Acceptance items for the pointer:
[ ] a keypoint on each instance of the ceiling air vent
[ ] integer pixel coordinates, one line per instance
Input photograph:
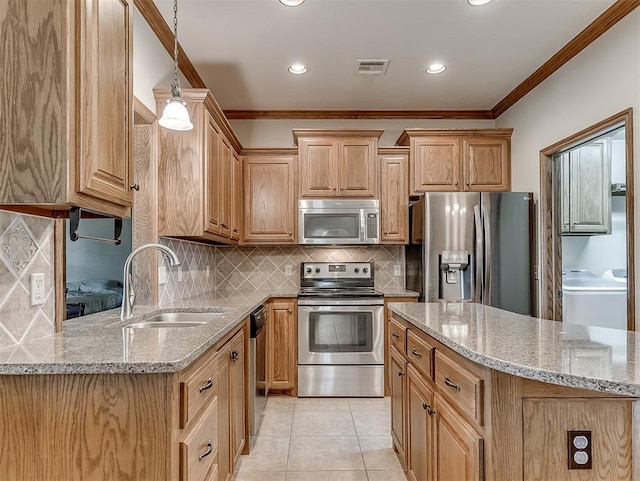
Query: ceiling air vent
(372, 67)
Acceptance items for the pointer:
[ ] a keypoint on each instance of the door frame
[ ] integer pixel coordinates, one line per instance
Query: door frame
(550, 218)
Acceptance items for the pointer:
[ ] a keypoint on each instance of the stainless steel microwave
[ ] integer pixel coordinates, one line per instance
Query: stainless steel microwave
(333, 221)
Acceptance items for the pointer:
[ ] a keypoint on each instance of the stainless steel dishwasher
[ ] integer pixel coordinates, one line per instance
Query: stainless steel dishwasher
(258, 388)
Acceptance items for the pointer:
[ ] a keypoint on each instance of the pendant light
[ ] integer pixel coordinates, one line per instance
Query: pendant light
(175, 115)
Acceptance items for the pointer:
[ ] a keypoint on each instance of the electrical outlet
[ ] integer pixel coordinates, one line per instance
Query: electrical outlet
(288, 270)
(162, 275)
(37, 289)
(179, 273)
(579, 449)
(208, 274)
(397, 270)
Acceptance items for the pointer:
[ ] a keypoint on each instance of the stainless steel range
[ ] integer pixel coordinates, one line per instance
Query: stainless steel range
(340, 331)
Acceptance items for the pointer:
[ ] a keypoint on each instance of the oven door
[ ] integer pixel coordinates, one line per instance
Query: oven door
(340, 334)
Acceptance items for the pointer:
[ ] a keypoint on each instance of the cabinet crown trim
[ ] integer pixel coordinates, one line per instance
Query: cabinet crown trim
(336, 133)
(406, 136)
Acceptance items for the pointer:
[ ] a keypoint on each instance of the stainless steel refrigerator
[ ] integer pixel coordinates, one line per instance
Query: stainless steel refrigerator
(477, 247)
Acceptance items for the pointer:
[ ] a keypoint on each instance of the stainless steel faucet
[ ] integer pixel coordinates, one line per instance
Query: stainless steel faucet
(129, 297)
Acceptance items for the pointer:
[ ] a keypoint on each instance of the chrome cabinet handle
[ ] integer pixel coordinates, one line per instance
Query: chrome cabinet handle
(135, 187)
(395, 335)
(234, 355)
(400, 374)
(451, 385)
(235, 230)
(416, 353)
(208, 385)
(207, 452)
(427, 407)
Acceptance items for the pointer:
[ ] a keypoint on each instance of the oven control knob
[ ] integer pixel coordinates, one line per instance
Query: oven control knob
(317, 270)
(365, 270)
(308, 270)
(356, 270)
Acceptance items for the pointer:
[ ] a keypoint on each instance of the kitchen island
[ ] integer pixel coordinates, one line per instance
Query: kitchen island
(481, 393)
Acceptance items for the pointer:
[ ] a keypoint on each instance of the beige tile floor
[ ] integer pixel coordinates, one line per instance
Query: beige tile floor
(313, 439)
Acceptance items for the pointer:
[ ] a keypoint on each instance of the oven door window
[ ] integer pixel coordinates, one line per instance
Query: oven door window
(340, 332)
(332, 226)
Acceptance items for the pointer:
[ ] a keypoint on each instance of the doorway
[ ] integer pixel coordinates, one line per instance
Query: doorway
(587, 221)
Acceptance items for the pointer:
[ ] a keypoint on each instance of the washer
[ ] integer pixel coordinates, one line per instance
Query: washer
(592, 300)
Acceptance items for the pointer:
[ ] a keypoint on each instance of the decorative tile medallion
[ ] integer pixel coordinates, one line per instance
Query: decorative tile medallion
(17, 246)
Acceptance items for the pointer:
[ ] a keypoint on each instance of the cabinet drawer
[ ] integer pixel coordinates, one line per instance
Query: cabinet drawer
(397, 335)
(198, 388)
(420, 353)
(199, 449)
(461, 387)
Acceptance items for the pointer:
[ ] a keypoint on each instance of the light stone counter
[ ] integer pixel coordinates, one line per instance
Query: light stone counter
(594, 358)
(101, 343)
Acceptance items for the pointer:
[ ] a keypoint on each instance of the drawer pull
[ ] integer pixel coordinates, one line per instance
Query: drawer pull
(208, 385)
(416, 353)
(234, 355)
(400, 374)
(395, 335)
(451, 385)
(427, 407)
(207, 452)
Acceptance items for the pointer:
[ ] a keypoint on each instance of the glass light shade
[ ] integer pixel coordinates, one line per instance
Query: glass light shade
(175, 115)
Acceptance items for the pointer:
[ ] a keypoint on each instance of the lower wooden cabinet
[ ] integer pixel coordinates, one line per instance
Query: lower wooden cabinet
(282, 344)
(420, 422)
(397, 384)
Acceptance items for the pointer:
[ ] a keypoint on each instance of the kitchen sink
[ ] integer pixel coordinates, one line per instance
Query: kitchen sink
(172, 320)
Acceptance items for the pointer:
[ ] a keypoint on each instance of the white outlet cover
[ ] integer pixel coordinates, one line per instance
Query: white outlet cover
(208, 273)
(37, 289)
(397, 270)
(179, 273)
(288, 270)
(162, 275)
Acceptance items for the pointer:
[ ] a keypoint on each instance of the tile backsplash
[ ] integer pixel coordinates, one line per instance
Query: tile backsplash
(265, 267)
(26, 247)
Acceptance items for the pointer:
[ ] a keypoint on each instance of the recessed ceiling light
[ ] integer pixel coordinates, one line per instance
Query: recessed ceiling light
(436, 68)
(292, 3)
(298, 68)
(475, 3)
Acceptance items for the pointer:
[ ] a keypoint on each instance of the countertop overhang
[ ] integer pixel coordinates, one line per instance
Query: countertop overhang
(573, 355)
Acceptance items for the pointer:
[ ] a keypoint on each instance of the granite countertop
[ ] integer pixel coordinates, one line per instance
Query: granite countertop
(594, 358)
(401, 294)
(100, 343)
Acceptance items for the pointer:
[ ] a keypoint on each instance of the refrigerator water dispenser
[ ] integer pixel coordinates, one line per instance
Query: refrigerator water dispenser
(455, 276)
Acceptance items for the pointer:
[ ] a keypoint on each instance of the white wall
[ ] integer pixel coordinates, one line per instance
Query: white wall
(277, 133)
(152, 65)
(601, 81)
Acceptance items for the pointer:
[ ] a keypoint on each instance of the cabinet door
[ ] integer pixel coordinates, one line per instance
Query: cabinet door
(486, 164)
(237, 397)
(224, 413)
(224, 183)
(318, 167)
(420, 425)
(269, 214)
(236, 205)
(397, 380)
(283, 345)
(590, 189)
(435, 164)
(104, 167)
(459, 448)
(212, 172)
(394, 198)
(357, 168)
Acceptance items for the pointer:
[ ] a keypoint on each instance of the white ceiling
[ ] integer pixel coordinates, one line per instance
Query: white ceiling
(242, 48)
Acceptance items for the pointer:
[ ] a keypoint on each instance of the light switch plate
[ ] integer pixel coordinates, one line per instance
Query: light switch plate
(397, 270)
(162, 275)
(179, 273)
(37, 289)
(208, 273)
(288, 270)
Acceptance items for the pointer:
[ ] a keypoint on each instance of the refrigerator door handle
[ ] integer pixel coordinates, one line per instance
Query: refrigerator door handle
(479, 248)
(486, 229)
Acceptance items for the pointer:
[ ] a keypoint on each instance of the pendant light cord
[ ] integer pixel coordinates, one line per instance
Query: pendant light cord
(175, 87)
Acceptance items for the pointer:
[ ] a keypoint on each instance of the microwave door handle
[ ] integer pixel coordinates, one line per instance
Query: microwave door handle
(479, 252)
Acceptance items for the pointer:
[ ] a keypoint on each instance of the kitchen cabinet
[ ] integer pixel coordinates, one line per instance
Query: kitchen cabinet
(68, 138)
(394, 196)
(269, 197)
(586, 189)
(420, 420)
(452, 160)
(337, 163)
(196, 170)
(397, 383)
(172, 426)
(393, 337)
(236, 204)
(282, 344)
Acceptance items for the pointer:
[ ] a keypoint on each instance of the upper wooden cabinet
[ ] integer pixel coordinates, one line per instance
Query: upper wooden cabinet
(394, 195)
(270, 197)
(337, 162)
(199, 172)
(68, 138)
(586, 189)
(446, 160)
